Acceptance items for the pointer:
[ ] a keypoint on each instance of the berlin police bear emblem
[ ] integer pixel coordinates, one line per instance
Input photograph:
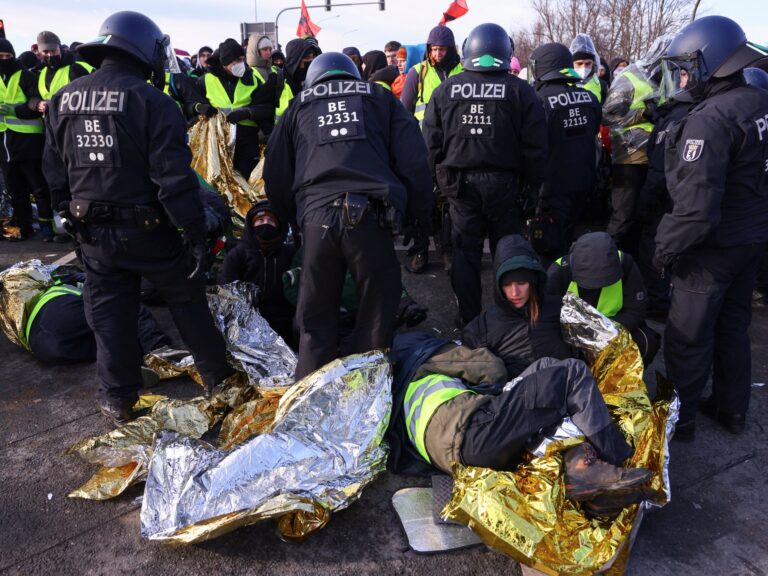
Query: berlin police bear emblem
(692, 150)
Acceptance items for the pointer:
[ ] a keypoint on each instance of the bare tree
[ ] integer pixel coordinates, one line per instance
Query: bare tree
(623, 28)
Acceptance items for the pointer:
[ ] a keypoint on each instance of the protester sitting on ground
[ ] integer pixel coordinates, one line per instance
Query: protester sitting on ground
(451, 404)
(608, 279)
(58, 333)
(262, 257)
(523, 325)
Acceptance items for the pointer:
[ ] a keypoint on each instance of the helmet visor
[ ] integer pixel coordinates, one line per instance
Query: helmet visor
(169, 56)
(682, 75)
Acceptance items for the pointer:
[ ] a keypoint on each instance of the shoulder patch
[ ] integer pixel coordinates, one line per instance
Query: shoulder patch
(692, 150)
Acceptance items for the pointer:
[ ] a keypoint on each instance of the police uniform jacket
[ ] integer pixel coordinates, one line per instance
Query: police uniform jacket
(507, 331)
(346, 136)
(573, 122)
(20, 147)
(716, 164)
(490, 122)
(113, 138)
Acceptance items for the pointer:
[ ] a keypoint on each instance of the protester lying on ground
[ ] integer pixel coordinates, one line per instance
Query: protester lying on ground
(57, 331)
(523, 324)
(451, 404)
(608, 279)
(262, 257)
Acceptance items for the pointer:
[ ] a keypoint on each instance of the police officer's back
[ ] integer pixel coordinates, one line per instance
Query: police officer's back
(344, 156)
(716, 168)
(486, 134)
(119, 145)
(573, 122)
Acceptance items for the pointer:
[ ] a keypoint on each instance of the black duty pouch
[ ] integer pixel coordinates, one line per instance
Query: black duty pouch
(79, 209)
(448, 180)
(353, 209)
(148, 218)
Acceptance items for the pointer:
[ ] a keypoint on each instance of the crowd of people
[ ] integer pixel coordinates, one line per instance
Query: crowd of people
(640, 186)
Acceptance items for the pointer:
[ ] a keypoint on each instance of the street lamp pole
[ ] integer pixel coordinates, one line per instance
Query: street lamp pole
(277, 18)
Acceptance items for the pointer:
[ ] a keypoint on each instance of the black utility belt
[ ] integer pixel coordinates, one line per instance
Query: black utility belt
(103, 214)
(354, 207)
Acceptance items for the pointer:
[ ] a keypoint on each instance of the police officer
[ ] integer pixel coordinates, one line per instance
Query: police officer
(573, 122)
(717, 175)
(344, 156)
(486, 134)
(119, 145)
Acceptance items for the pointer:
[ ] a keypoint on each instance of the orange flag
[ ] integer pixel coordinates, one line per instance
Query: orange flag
(457, 9)
(306, 27)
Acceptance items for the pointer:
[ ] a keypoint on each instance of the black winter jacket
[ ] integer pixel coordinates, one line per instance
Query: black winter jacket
(505, 330)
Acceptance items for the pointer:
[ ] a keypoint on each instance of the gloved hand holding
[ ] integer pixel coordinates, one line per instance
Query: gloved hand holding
(205, 109)
(6, 109)
(238, 115)
(198, 248)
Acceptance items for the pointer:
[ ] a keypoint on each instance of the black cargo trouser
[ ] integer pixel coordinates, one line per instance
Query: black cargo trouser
(499, 430)
(330, 248)
(709, 316)
(486, 206)
(115, 261)
(22, 179)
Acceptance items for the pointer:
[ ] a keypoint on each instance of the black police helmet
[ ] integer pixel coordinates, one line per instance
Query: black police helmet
(488, 48)
(131, 33)
(720, 44)
(552, 61)
(756, 77)
(331, 65)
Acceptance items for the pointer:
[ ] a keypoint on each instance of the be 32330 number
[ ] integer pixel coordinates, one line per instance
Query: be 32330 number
(94, 141)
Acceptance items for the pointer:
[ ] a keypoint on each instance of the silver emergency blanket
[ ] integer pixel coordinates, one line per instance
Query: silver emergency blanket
(250, 339)
(325, 445)
(22, 284)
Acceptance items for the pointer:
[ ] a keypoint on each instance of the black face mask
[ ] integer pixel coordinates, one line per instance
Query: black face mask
(268, 238)
(53, 61)
(8, 66)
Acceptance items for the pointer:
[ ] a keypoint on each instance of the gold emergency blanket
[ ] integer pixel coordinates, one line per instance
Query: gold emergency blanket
(525, 513)
(324, 447)
(212, 154)
(22, 285)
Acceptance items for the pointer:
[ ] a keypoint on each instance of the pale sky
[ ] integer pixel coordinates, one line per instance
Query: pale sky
(194, 23)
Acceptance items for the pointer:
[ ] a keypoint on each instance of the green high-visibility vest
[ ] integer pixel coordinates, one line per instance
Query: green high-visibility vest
(285, 98)
(611, 299)
(422, 399)
(217, 95)
(85, 65)
(60, 79)
(12, 93)
(641, 90)
(593, 85)
(47, 296)
(430, 81)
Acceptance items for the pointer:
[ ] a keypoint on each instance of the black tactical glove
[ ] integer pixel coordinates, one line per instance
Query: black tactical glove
(410, 312)
(238, 115)
(198, 248)
(205, 109)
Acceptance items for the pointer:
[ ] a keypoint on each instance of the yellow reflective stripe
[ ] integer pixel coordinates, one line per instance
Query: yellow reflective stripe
(593, 85)
(218, 97)
(12, 93)
(285, 98)
(47, 296)
(422, 399)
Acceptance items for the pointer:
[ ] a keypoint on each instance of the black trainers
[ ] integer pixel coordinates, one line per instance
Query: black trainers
(586, 476)
(118, 411)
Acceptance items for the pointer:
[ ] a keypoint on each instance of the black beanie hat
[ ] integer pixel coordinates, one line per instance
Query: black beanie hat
(519, 275)
(229, 51)
(6, 46)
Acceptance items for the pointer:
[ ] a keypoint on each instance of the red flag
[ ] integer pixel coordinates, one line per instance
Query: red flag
(457, 9)
(306, 27)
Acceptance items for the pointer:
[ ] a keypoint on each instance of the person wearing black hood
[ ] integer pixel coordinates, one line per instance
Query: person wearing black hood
(299, 54)
(261, 257)
(235, 89)
(278, 59)
(573, 122)
(523, 325)
(609, 280)
(486, 135)
(716, 167)
(21, 152)
(29, 61)
(201, 66)
(355, 56)
(373, 61)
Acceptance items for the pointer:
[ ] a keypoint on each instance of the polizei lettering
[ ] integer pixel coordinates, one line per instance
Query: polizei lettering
(567, 98)
(339, 88)
(90, 101)
(485, 91)
(762, 126)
